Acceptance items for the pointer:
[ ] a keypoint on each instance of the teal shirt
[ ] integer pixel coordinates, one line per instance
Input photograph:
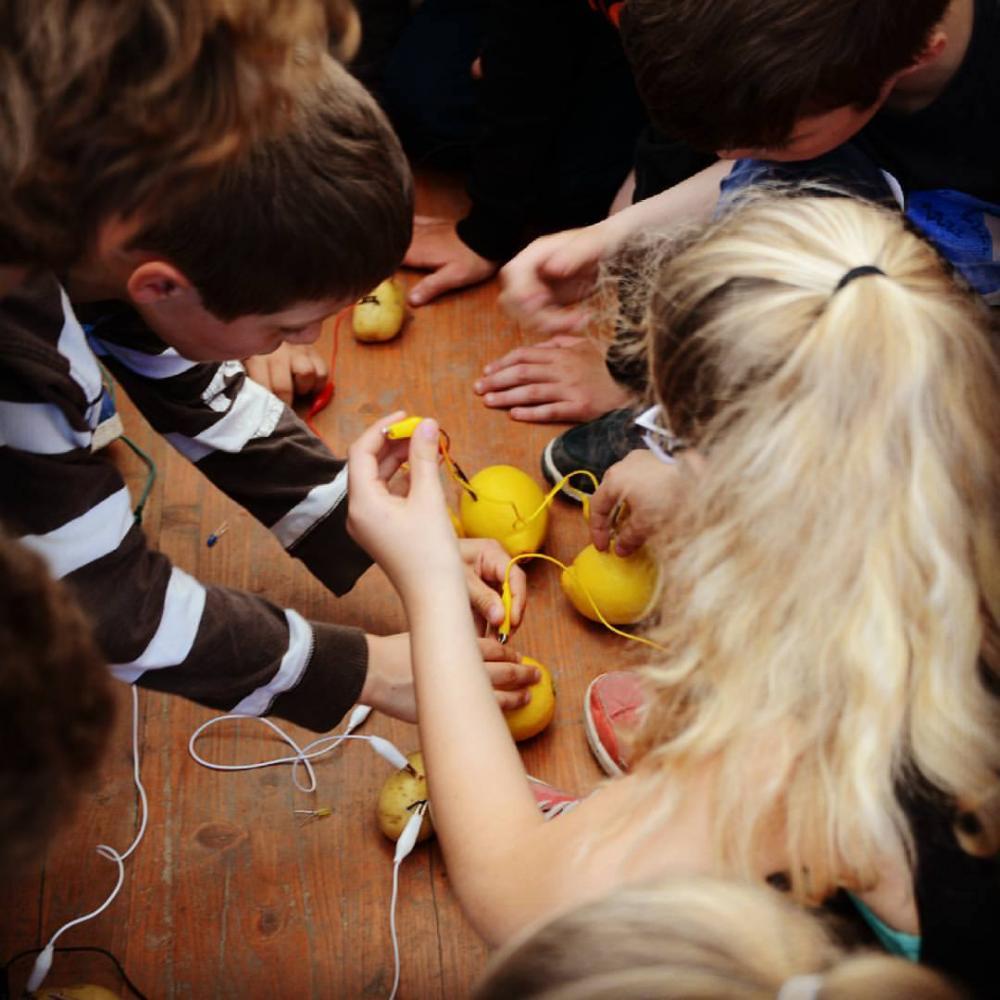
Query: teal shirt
(895, 942)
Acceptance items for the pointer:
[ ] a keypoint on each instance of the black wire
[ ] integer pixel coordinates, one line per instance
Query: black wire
(5, 982)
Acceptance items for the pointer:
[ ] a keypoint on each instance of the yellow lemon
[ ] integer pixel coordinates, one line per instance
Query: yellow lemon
(401, 792)
(529, 720)
(505, 498)
(379, 315)
(624, 588)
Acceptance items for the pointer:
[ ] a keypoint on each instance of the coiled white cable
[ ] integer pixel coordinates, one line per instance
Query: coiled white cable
(44, 961)
(303, 757)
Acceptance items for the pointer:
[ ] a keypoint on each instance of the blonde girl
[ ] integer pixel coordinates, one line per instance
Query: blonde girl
(820, 709)
(690, 938)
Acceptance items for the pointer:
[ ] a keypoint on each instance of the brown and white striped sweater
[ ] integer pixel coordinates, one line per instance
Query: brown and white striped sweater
(156, 624)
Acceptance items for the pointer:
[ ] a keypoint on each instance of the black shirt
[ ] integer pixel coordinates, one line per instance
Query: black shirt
(954, 142)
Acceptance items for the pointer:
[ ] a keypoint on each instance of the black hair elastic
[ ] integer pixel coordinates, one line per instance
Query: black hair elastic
(857, 272)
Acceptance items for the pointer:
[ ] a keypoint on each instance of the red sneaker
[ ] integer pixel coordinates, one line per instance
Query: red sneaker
(550, 799)
(611, 712)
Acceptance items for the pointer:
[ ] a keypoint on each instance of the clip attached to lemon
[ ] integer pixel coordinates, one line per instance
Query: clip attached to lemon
(402, 429)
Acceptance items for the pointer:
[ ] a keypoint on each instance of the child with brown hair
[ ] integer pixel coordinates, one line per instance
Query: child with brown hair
(893, 101)
(287, 234)
(55, 702)
(113, 104)
(820, 708)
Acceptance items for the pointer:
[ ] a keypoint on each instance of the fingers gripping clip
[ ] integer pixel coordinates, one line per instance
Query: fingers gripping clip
(402, 429)
(503, 633)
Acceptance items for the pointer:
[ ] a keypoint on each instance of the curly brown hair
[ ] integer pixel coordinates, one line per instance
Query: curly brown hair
(111, 104)
(56, 705)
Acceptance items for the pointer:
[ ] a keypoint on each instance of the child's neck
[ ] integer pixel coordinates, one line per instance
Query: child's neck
(921, 87)
(92, 279)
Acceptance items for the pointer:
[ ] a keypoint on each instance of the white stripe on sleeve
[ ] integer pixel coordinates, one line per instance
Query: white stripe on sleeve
(39, 428)
(293, 663)
(183, 606)
(166, 364)
(74, 347)
(309, 511)
(88, 537)
(254, 413)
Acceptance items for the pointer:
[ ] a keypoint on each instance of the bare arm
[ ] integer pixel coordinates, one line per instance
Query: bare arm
(508, 866)
(544, 284)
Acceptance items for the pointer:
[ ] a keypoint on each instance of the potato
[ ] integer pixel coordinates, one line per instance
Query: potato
(401, 792)
(379, 315)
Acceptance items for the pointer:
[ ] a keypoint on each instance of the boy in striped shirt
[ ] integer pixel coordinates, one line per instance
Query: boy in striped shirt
(282, 239)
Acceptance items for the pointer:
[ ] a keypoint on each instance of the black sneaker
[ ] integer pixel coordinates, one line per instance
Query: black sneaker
(595, 446)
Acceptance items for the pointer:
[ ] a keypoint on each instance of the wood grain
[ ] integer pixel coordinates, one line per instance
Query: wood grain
(231, 894)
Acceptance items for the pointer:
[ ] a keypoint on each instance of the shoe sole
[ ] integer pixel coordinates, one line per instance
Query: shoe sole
(552, 475)
(606, 761)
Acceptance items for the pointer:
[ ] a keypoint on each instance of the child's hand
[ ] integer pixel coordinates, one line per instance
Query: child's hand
(437, 247)
(544, 283)
(562, 378)
(411, 537)
(292, 370)
(647, 486)
(485, 565)
(388, 684)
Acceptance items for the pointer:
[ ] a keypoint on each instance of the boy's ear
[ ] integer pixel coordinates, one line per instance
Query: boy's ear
(155, 281)
(936, 44)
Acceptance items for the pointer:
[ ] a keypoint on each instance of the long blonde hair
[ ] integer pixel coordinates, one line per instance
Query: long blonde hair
(832, 581)
(690, 938)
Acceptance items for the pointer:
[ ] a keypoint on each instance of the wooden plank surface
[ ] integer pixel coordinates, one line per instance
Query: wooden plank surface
(230, 894)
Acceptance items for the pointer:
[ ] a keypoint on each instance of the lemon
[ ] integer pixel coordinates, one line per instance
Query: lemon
(624, 588)
(379, 315)
(400, 793)
(505, 498)
(529, 720)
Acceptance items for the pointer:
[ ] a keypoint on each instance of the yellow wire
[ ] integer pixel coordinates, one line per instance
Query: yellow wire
(506, 597)
(520, 522)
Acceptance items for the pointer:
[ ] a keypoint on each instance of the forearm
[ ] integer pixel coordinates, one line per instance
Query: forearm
(249, 444)
(690, 202)
(467, 747)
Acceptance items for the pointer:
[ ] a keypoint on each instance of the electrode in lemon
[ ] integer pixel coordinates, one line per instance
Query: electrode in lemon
(504, 503)
(623, 588)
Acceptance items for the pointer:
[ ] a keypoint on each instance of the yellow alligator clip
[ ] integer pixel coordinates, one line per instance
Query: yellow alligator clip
(402, 428)
(503, 633)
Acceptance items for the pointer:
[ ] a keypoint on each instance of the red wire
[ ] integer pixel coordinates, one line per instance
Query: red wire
(322, 398)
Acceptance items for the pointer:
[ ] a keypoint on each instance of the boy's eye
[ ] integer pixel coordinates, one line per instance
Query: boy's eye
(290, 331)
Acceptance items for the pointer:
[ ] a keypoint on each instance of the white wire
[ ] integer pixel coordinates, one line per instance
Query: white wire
(44, 961)
(303, 756)
(392, 931)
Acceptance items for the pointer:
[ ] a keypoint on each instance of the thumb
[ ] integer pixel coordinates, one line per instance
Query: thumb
(424, 457)
(485, 601)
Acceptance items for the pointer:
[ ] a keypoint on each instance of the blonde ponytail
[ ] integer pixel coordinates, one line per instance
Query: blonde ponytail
(833, 579)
